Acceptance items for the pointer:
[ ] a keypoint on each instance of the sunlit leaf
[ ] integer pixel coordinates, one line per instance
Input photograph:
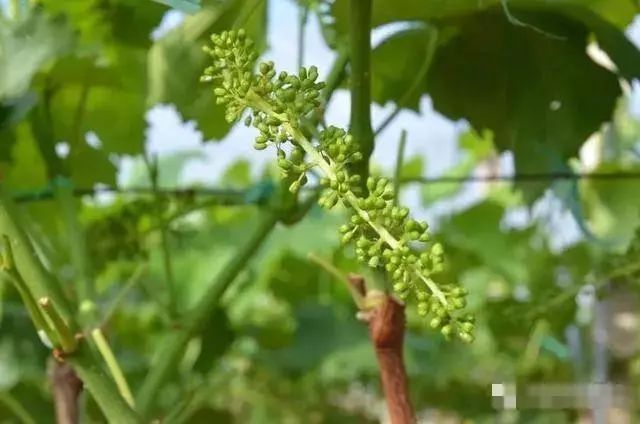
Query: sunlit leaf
(176, 62)
(611, 211)
(26, 47)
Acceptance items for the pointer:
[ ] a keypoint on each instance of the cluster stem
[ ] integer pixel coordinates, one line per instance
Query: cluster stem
(351, 198)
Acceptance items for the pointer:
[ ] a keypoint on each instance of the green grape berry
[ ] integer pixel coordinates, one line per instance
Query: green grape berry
(384, 234)
(466, 337)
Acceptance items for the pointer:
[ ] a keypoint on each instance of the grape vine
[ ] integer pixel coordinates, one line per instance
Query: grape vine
(384, 235)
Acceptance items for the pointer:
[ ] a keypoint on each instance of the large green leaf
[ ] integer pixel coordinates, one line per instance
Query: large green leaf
(27, 170)
(101, 88)
(11, 113)
(617, 12)
(399, 73)
(612, 40)
(116, 22)
(106, 99)
(25, 47)
(176, 62)
(518, 68)
(541, 96)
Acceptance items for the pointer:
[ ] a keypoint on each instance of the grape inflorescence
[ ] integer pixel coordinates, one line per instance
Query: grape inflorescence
(384, 234)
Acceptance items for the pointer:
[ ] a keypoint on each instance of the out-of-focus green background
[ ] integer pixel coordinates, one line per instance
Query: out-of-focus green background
(91, 89)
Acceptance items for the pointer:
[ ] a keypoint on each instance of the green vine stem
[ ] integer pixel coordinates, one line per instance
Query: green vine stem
(113, 366)
(65, 336)
(360, 54)
(385, 237)
(358, 299)
(402, 144)
(40, 284)
(415, 83)
(133, 280)
(101, 387)
(39, 281)
(10, 274)
(64, 193)
(173, 348)
(161, 222)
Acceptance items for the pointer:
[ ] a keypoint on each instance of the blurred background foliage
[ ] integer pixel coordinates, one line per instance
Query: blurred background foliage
(77, 79)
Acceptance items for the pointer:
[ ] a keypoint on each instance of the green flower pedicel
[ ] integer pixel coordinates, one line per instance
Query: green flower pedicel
(384, 235)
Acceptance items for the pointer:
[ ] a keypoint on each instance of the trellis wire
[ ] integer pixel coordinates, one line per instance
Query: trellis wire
(239, 196)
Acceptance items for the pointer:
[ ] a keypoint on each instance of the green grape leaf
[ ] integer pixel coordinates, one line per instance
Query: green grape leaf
(27, 170)
(518, 73)
(11, 113)
(26, 47)
(100, 88)
(119, 23)
(399, 67)
(541, 96)
(617, 12)
(176, 61)
(611, 207)
(110, 104)
(100, 170)
(611, 39)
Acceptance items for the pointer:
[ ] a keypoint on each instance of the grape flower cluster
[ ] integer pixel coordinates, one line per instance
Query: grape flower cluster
(384, 235)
